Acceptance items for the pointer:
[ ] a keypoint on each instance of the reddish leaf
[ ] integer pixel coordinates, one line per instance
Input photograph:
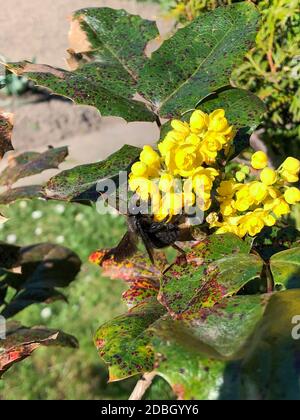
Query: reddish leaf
(20, 342)
(143, 277)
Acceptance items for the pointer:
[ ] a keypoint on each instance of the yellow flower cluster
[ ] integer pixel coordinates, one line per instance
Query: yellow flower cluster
(185, 159)
(246, 208)
(188, 166)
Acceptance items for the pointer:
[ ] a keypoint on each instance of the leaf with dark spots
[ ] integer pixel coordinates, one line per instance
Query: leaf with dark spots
(215, 247)
(42, 268)
(189, 367)
(140, 291)
(123, 342)
(6, 127)
(21, 341)
(31, 163)
(209, 275)
(21, 193)
(183, 352)
(194, 354)
(138, 272)
(86, 87)
(227, 325)
(285, 267)
(243, 110)
(191, 64)
(88, 181)
(112, 38)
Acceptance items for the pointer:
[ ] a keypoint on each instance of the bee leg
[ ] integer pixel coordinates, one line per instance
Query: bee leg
(146, 243)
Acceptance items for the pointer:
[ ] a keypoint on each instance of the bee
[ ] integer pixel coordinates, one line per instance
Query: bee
(153, 234)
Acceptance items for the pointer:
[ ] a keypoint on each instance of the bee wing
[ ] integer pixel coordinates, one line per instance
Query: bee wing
(126, 248)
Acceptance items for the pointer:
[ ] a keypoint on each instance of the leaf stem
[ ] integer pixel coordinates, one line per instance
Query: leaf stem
(158, 122)
(142, 385)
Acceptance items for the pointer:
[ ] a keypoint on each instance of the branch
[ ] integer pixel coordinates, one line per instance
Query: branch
(142, 385)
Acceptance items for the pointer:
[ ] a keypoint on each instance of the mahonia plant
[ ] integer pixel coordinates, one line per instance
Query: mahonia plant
(218, 320)
(190, 154)
(271, 68)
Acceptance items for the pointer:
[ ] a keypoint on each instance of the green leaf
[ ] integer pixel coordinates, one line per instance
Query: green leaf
(285, 267)
(115, 40)
(123, 342)
(43, 267)
(85, 86)
(198, 59)
(227, 325)
(271, 370)
(80, 183)
(193, 354)
(209, 276)
(21, 193)
(243, 109)
(21, 341)
(191, 374)
(6, 127)
(32, 163)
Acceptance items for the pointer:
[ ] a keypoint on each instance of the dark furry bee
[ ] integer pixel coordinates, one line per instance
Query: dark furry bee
(154, 235)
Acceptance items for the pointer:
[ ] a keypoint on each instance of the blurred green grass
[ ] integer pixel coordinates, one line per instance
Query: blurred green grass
(58, 373)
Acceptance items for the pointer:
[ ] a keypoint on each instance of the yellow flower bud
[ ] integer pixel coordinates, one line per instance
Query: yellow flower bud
(269, 220)
(289, 177)
(199, 121)
(226, 208)
(189, 199)
(259, 160)
(268, 176)
(181, 127)
(291, 165)
(202, 182)
(193, 139)
(149, 156)
(280, 207)
(139, 169)
(186, 160)
(240, 176)
(166, 146)
(166, 182)
(292, 195)
(160, 215)
(217, 121)
(172, 203)
(227, 188)
(243, 204)
(258, 191)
